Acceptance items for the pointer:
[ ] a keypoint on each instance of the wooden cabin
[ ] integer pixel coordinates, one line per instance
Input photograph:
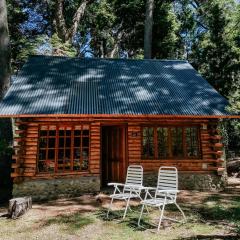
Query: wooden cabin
(79, 123)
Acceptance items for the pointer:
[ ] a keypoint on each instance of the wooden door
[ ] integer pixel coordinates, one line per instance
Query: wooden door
(113, 154)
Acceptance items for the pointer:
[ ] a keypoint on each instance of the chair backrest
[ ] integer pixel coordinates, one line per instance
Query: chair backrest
(134, 176)
(167, 180)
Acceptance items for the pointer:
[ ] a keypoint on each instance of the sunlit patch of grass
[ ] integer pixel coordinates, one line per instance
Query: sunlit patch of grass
(71, 222)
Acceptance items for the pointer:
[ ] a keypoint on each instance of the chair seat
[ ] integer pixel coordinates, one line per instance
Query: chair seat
(123, 196)
(156, 202)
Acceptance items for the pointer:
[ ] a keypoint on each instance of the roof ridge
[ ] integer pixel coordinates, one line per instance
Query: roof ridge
(111, 59)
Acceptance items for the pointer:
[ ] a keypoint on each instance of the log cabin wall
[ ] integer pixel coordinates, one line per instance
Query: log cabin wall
(26, 147)
(210, 146)
(24, 167)
(204, 173)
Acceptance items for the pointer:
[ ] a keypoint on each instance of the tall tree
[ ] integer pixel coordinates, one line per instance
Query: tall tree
(4, 50)
(148, 25)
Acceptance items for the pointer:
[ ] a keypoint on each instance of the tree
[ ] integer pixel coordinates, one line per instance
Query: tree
(148, 29)
(206, 32)
(4, 50)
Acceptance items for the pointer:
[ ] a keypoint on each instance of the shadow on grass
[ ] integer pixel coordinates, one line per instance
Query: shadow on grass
(131, 220)
(113, 215)
(219, 208)
(72, 222)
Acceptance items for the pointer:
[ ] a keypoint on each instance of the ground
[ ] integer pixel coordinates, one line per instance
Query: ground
(209, 216)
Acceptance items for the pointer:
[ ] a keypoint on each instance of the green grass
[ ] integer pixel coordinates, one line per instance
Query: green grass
(72, 222)
(213, 215)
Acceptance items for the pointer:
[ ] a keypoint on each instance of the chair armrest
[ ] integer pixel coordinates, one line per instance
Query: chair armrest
(149, 188)
(116, 184)
(168, 191)
(134, 187)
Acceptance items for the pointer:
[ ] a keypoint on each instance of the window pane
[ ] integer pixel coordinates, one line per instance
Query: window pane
(42, 154)
(148, 143)
(61, 132)
(60, 154)
(68, 142)
(76, 164)
(76, 153)
(85, 164)
(77, 142)
(68, 132)
(85, 133)
(61, 142)
(192, 142)
(42, 166)
(52, 132)
(77, 132)
(51, 142)
(46, 166)
(162, 138)
(85, 142)
(51, 154)
(43, 133)
(68, 159)
(85, 153)
(43, 142)
(177, 142)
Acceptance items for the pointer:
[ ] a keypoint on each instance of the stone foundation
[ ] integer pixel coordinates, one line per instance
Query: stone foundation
(193, 181)
(56, 188)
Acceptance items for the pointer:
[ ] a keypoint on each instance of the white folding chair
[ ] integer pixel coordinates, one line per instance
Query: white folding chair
(131, 189)
(165, 193)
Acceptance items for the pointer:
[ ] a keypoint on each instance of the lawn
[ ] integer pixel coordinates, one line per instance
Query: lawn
(208, 215)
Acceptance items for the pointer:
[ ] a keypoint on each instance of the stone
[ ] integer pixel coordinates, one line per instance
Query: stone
(193, 181)
(47, 189)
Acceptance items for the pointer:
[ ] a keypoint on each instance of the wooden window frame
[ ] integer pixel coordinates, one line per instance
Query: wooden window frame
(169, 142)
(72, 136)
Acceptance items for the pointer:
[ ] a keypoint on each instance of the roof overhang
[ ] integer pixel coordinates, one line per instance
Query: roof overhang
(122, 116)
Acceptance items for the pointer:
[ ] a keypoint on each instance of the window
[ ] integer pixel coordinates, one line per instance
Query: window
(63, 148)
(170, 142)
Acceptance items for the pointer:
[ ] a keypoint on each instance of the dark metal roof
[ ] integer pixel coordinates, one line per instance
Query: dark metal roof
(61, 85)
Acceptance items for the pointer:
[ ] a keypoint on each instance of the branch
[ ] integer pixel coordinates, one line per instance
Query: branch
(76, 19)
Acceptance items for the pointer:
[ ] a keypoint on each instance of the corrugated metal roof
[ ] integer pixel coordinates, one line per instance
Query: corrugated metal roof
(61, 85)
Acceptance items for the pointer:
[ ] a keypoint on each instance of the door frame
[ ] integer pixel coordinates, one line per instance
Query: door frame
(125, 160)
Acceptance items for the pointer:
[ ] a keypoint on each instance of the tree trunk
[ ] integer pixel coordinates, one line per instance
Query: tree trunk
(4, 50)
(148, 29)
(63, 32)
(60, 21)
(77, 17)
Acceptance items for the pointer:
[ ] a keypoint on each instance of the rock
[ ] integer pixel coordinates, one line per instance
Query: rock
(19, 206)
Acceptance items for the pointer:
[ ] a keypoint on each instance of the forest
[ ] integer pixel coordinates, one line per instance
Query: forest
(206, 33)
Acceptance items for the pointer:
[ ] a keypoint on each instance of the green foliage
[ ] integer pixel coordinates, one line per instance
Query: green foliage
(62, 48)
(214, 53)
(207, 33)
(5, 149)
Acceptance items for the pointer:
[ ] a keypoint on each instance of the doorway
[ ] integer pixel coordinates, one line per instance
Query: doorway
(113, 154)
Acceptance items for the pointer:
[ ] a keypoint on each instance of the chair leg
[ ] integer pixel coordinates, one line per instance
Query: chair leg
(109, 207)
(184, 217)
(126, 208)
(161, 216)
(139, 219)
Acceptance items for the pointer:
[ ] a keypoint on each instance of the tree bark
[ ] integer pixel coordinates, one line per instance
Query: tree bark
(77, 17)
(148, 29)
(64, 33)
(5, 69)
(60, 21)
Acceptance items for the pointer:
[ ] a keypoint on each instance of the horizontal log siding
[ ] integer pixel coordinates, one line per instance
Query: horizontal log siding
(26, 145)
(26, 149)
(209, 140)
